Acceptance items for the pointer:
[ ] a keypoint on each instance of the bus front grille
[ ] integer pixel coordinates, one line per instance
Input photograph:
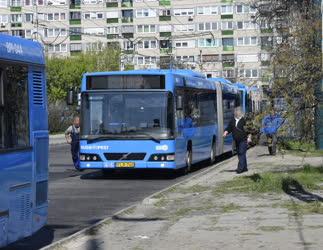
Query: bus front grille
(125, 156)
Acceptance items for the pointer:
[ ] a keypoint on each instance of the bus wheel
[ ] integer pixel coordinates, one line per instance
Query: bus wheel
(213, 153)
(188, 161)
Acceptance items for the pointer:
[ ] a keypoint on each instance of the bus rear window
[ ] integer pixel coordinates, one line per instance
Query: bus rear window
(125, 82)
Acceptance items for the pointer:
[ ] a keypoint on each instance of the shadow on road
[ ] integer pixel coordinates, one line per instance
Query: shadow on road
(293, 188)
(41, 239)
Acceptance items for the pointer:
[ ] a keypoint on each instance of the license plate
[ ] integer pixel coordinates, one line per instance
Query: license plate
(125, 164)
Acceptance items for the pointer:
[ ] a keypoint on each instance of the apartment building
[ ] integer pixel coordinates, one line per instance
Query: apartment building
(218, 37)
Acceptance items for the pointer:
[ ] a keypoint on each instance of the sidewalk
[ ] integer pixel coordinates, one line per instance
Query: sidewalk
(206, 213)
(57, 139)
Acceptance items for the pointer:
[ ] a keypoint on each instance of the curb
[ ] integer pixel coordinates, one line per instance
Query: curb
(89, 230)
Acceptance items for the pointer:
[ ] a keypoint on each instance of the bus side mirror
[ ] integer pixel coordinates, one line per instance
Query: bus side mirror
(179, 102)
(70, 97)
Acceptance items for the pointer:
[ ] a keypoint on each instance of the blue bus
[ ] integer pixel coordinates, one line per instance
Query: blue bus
(153, 119)
(23, 139)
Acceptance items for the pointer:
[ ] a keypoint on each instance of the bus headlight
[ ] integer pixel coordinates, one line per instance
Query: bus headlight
(162, 157)
(90, 157)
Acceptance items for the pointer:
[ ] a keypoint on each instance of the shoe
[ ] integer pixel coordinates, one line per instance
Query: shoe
(238, 171)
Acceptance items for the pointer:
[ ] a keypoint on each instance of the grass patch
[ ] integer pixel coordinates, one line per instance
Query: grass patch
(304, 208)
(271, 228)
(307, 177)
(231, 207)
(301, 148)
(194, 189)
(161, 202)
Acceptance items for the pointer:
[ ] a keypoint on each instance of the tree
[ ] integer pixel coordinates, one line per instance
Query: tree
(296, 58)
(63, 73)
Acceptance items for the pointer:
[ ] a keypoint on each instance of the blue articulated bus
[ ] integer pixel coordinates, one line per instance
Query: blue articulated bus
(153, 119)
(23, 139)
(244, 96)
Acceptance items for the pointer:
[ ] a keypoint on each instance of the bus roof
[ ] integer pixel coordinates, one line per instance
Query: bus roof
(221, 80)
(21, 50)
(150, 72)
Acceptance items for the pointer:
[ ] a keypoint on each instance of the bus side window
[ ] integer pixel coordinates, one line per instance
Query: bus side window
(1, 111)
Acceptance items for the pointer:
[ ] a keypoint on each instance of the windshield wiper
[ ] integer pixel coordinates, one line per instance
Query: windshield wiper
(149, 136)
(97, 138)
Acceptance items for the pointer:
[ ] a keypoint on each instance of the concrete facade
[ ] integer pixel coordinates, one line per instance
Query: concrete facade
(217, 37)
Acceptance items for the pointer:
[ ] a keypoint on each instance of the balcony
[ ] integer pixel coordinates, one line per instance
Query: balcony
(269, 30)
(227, 32)
(128, 51)
(165, 18)
(164, 2)
(228, 16)
(228, 64)
(265, 63)
(16, 25)
(127, 19)
(126, 4)
(75, 37)
(112, 4)
(228, 48)
(112, 20)
(127, 35)
(15, 8)
(165, 34)
(165, 50)
(226, 1)
(75, 21)
(75, 6)
(112, 36)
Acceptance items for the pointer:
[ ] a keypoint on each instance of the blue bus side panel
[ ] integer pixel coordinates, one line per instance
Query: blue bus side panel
(39, 138)
(40, 183)
(15, 193)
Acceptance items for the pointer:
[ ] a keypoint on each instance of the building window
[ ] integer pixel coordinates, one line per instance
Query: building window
(247, 41)
(185, 44)
(227, 25)
(147, 44)
(207, 10)
(184, 27)
(146, 13)
(146, 28)
(208, 43)
(208, 26)
(183, 12)
(74, 47)
(113, 30)
(3, 19)
(4, 3)
(226, 9)
(248, 73)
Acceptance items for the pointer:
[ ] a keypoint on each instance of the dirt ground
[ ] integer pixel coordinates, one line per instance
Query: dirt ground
(193, 215)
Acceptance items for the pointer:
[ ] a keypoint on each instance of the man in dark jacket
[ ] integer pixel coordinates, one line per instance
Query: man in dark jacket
(240, 136)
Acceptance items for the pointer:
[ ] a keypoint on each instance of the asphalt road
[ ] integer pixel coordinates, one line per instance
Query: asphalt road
(79, 199)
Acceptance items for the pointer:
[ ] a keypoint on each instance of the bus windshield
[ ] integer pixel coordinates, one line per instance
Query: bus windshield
(127, 115)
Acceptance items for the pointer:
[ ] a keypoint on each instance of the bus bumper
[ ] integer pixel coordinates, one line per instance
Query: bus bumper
(138, 165)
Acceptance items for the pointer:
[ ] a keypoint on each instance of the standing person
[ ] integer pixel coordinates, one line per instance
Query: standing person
(270, 125)
(72, 135)
(240, 137)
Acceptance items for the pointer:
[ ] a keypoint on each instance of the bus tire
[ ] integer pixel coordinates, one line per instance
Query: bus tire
(213, 152)
(188, 160)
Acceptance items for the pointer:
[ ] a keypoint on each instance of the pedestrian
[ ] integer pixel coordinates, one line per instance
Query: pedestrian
(72, 135)
(240, 136)
(270, 125)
